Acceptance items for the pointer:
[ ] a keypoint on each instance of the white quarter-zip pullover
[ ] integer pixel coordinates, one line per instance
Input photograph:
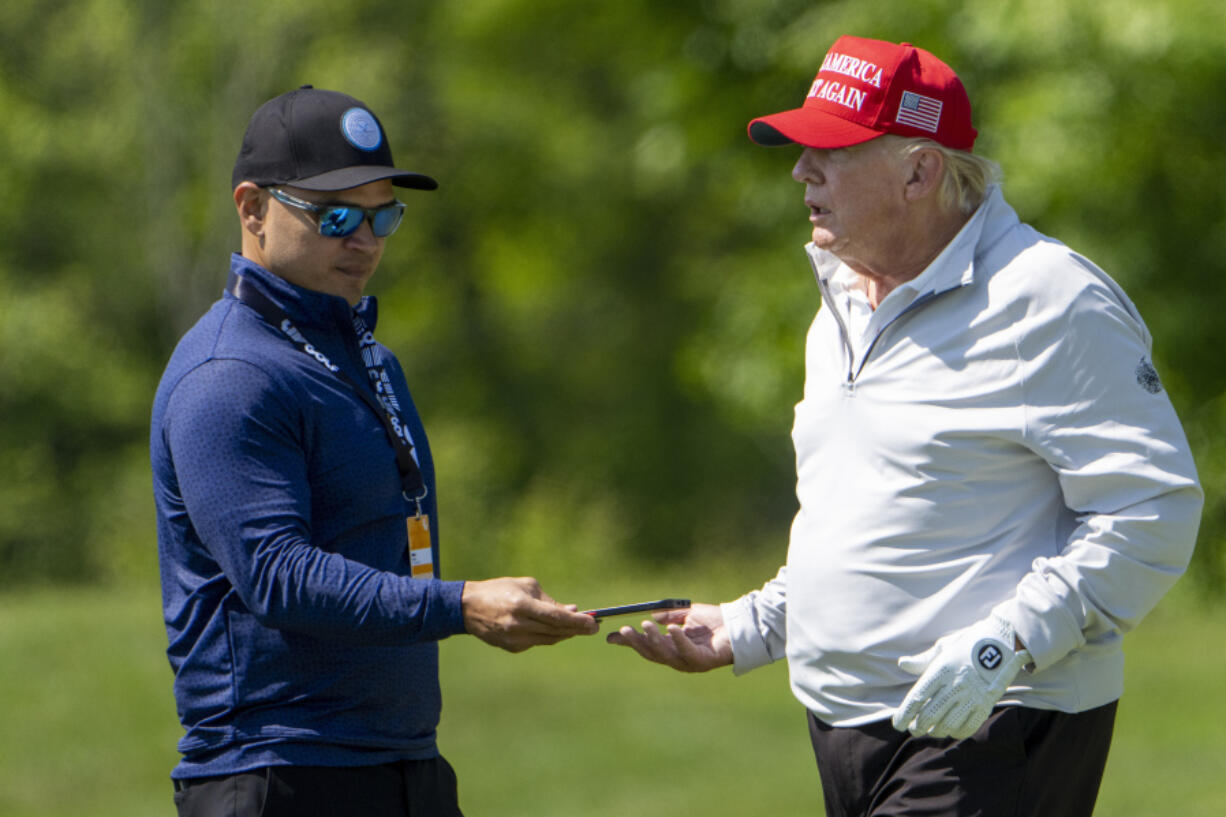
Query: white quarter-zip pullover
(993, 437)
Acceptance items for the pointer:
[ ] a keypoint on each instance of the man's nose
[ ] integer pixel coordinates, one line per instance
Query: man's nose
(806, 170)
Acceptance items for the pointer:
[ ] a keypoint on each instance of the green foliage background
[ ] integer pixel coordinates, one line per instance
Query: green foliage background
(602, 310)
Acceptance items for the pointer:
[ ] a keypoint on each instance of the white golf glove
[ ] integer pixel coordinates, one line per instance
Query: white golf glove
(962, 677)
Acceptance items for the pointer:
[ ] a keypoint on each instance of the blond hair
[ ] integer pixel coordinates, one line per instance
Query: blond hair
(966, 178)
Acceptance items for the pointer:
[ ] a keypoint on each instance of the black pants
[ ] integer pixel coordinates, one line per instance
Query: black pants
(1021, 763)
(409, 788)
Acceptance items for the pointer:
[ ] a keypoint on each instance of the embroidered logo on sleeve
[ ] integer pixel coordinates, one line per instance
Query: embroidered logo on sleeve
(1147, 376)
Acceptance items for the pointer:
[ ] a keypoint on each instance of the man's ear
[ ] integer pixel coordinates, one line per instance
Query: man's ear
(927, 167)
(252, 206)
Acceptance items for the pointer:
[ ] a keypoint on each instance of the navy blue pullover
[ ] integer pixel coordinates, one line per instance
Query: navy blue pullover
(296, 634)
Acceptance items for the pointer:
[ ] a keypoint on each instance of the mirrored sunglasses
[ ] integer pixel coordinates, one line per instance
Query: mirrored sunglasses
(340, 220)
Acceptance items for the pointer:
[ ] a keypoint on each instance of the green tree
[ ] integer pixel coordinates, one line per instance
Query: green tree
(602, 310)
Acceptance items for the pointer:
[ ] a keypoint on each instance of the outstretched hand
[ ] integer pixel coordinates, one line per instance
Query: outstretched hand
(516, 614)
(694, 640)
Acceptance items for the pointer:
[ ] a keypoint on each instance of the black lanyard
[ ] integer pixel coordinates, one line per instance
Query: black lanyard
(411, 480)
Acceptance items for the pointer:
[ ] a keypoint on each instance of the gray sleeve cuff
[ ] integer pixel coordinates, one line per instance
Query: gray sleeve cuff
(754, 643)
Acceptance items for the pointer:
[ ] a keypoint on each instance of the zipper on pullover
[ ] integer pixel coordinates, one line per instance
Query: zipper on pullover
(854, 370)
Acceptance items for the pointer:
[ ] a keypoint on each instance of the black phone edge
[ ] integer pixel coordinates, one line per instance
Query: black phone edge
(640, 607)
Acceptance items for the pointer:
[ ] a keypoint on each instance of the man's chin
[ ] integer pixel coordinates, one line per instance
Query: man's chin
(822, 239)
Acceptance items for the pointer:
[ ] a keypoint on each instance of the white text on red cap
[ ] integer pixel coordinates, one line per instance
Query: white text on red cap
(867, 72)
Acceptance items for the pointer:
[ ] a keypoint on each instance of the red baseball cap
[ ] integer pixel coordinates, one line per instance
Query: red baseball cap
(869, 87)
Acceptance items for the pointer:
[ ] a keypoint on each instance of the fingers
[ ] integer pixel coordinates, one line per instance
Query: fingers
(687, 651)
(542, 616)
(932, 714)
(911, 706)
(540, 612)
(649, 643)
(693, 640)
(906, 714)
(520, 635)
(961, 725)
(516, 614)
(916, 664)
(522, 640)
(661, 644)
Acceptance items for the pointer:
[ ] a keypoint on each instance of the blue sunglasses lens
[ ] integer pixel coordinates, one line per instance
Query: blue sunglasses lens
(386, 220)
(338, 222)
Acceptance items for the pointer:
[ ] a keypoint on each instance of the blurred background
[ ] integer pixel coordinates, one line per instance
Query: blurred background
(601, 313)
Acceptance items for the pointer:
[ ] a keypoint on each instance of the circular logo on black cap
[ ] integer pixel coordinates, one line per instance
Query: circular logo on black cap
(989, 656)
(360, 129)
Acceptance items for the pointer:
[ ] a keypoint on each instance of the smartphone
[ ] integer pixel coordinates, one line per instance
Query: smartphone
(641, 607)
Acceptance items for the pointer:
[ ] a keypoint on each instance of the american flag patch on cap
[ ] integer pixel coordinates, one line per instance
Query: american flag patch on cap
(919, 111)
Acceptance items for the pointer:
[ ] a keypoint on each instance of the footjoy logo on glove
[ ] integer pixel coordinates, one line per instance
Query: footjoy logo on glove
(989, 656)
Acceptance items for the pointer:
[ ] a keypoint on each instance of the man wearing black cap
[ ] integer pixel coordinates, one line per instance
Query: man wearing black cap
(295, 492)
(993, 485)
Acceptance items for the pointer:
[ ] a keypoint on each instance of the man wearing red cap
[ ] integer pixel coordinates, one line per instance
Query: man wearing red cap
(993, 484)
(297, 520)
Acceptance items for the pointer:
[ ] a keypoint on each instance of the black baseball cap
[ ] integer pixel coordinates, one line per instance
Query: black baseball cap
(318, 140)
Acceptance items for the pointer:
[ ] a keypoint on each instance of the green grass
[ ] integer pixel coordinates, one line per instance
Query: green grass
(87, 724)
